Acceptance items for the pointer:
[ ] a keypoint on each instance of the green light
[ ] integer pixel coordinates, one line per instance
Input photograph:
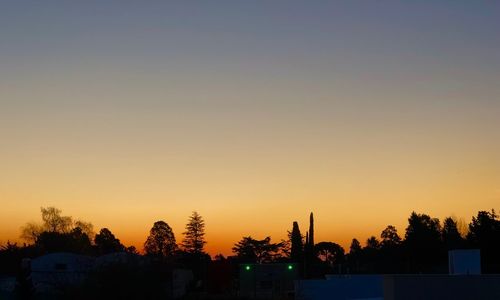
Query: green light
(290, 267)
(247, 268)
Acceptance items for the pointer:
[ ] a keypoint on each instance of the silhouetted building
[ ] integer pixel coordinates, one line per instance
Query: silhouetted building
(464, 262)
(438, 287)
(59, 270)
(340, 287)
(119, 258)
(464, 281)
(267, 281)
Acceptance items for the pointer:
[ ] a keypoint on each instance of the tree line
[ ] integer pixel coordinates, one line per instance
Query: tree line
(422, 249)
(60, 233)
(57, 232)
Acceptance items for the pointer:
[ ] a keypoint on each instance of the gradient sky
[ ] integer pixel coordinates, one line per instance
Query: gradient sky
(252, 113)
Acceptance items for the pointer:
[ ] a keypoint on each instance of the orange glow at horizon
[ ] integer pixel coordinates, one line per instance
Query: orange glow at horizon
(352, 194)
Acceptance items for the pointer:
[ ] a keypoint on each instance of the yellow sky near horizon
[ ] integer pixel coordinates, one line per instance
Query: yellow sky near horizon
(264, 207)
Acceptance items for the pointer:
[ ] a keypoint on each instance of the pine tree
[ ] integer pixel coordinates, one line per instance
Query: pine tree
(194, 236)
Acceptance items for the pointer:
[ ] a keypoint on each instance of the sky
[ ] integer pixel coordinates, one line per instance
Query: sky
(253, 113)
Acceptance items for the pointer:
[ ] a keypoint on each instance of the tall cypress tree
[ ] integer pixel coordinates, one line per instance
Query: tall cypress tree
(309, 249)
(311, 230)
(297, 250)
(309, 246)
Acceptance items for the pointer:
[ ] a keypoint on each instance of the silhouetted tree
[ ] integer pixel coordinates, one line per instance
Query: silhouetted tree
(285, 249)
(422, 228)
(484, 229)
(75, 241)
(329, 252)
(54, 222)
(31, 231)
(371, 255)
(484, 233)
(161, 240)
(259, 251)
(106, 242)
(219, 257)
(311, 230)
(131, 250)
(389, 256)
(390, 237)
(372, 243)
(355, 247)
(245, 249)
(85, 227)
(194, 236)
(297, 247)
(354, 256)
(58, 233)
(450, 235)
(463, 227)
(309, 245)
(423, 241)
(79, 241)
